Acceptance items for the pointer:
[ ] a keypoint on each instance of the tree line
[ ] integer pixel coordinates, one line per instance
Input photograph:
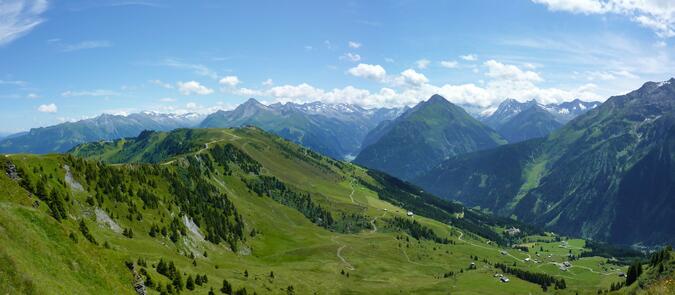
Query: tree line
(544, 280)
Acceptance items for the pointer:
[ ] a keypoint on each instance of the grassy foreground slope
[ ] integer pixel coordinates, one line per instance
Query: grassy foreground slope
(248, 207)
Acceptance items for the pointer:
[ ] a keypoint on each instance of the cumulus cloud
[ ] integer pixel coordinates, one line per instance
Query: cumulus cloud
(422, 63)
(410, 87)
(268, 82)
(502, 71)
(193, 108)
(412, 78)
(367, 71)
(193, 87)
(18, 17)
(353, 57)
(48, 108)
(449, 64)
(469, 57)
(354, 44)
(657, 15)
(231, 81)
(292, 92)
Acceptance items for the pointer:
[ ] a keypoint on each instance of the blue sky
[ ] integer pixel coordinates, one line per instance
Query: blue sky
(68, 60)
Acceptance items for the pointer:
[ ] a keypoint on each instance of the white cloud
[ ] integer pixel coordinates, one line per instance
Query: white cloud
(32, 95)
(230, 81)
(510, 72)
(351, 57)
(268, 82)
(193, 87)
(193, 108)
(469, 57)
(96, 92)
(412, 78)
(367, 71)
(389, 59)
(48, 108)
(353, 44)
(167, 99)
(291, 92)
(449, 64)
(18, 17)
(504, 80)
(657, 15)
(422, 63)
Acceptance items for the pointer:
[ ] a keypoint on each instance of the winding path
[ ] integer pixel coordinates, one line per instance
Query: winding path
(206, 146)
(351, 195)
(339, 254)
(372, 222)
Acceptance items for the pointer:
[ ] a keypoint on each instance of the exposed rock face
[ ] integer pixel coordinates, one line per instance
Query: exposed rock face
(139, 283)
(72, 183)
(102, 218)
(10, 169)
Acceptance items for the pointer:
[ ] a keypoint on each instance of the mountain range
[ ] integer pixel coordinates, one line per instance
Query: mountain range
(562, 112)
(518, 121)
(62, 137)
(608, 174)
(335, 130)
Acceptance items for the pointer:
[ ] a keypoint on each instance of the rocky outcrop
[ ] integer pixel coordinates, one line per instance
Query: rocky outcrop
(11, 171)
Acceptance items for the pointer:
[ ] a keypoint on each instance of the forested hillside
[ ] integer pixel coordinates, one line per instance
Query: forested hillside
(236, 209)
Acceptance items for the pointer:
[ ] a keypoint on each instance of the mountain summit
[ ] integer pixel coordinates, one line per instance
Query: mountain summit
(424, 136)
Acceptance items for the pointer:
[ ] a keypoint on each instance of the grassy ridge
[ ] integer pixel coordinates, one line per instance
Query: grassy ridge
(377, 259)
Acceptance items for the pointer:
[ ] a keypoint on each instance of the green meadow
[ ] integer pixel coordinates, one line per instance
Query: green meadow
(282, 250)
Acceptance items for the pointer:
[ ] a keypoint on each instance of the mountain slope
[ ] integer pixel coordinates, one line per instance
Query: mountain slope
(236, 203)
(424, 136)
(530, 123)
(62, 137)
(333, 130)
(608, 174)
(248, 207)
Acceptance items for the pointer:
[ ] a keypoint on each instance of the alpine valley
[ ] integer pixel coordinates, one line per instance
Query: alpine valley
(245, 210)
(477, 147)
